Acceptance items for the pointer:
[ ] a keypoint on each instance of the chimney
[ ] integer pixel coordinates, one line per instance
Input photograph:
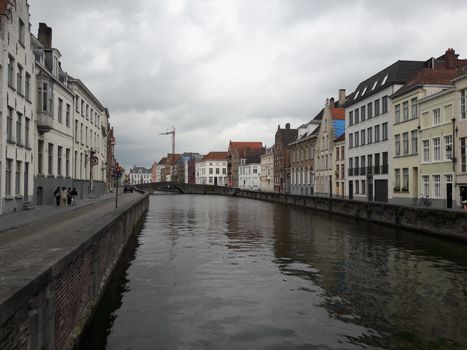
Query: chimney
(331, 102)
(450, 58)
(341, 97)
(45, 35)
(287, 126)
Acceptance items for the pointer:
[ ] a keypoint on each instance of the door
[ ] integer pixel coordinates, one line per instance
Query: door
(370, 189)
(350, 189)
(39, 195)
(26, 182)
(449, 195)
(381, 190)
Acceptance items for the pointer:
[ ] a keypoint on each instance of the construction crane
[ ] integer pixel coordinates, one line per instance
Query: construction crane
(172, 165)
(173, 137)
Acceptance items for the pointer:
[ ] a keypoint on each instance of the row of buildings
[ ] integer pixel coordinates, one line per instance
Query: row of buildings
(53, 130)
(399, 136)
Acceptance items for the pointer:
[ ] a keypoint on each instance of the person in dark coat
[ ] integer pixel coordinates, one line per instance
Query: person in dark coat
(464, 198)
(69, 196)
(57, 196)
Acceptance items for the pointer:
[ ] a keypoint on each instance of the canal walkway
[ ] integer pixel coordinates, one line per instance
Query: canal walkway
(32, 241)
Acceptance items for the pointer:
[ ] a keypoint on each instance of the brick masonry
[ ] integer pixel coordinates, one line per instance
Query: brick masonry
(53, 310)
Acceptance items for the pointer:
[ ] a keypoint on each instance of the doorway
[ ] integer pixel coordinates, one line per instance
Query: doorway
(449, 195)
(40, 196)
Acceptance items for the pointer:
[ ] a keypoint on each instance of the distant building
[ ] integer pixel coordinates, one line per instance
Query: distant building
(332, 126)
(212, 169)
(154, 172)
(170, 171)
(140, 175)
(159, 169)
(267, 171)
(338, 166)
(281, 152)
(249, 173)
(236, 151)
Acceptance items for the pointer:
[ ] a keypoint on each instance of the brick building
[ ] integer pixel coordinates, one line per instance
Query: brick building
(236, 151)
(282, 157)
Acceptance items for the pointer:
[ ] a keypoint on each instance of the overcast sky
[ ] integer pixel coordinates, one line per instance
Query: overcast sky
(221, 70)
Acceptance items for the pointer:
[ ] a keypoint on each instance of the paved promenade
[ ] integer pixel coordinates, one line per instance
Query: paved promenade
(32, 241)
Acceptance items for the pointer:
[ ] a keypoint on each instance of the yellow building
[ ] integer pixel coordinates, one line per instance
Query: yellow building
(407, 132)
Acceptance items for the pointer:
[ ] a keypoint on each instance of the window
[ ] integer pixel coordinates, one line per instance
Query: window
(9, 125)
(414, 105)
(351, 118)
(357, 186)
(59, 161)
(210, 171)
(405, 143)
(67, 120)
(405, 179)
(21, 31)
(369, 134)
(19, 80)
(385, 79)
(363, 113)
(397, 112)
(370, 160)
(255, 170)
(426, 150)
(426, 185)
(217, 171)
(436, 116)
(19, 128)
(397, 179)
(342, 153)
(374, 85)
(11, 71)
(18, 178)
(362, 137)
(350, 140)
(8, 175)
(385, 104)
(27, 125)
(356, 139)
(46, 100)
(437, 186)
(82, 107)
(463, 104)
(350, 163)
(448, 147)
(363, 186)
(376, 133)
(398, 145)
(385, 132)
(357, 116)
(362, 164)
(436, 149)
(67, 162)
(356, 159)
(405, 111)
(81, 134)
(40, 157)
(51, 155)
(27, 87)
(369, 109)
(376, 107)
(60, 110)
(414, 134)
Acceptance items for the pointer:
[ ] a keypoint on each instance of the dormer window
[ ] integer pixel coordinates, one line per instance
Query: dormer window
(385, 79)
(356, 95)
(364, 90)
(374, 85)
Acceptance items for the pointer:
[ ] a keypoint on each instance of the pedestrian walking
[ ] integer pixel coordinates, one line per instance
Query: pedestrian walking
(74, 194)
(63, 197)
(464, 198)
(57, 195)
(69, 196)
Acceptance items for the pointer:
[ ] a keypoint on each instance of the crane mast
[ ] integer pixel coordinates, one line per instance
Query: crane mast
(172, 134)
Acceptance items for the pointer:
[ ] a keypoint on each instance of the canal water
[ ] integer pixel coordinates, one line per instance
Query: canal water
(213, 272)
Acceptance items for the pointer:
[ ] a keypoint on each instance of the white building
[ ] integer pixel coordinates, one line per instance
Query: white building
(17, 112)
(249, 173)
(212, 169)
(267, 171)
(140, 175)
(368, 115)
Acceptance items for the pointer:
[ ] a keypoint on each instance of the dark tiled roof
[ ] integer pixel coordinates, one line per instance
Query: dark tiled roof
(340, 138)
(399, 72)
(216, 156)
(253, 159)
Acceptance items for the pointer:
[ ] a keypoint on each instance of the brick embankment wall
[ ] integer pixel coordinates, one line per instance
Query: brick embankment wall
(52, 311)
(448, 223)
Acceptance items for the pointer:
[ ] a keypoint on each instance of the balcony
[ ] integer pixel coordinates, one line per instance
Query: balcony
(369, 170)
(377, 169)
(44, 122)
(384, 169)
(350, 171)
(363, 170)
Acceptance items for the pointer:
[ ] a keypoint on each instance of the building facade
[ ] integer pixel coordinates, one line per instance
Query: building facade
(17, 95)
(267, 171)
(338, 166)
(140, 175)
(212, 169)
(236, 151)
(460, 130)
(249, 173)
(281, 153)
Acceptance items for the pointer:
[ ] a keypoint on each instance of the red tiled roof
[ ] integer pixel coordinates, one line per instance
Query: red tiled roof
(216, 156)
(429, 76)
(338, 113)
(246, 144)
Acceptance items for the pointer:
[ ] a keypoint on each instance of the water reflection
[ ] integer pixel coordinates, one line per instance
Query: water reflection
(228, 273)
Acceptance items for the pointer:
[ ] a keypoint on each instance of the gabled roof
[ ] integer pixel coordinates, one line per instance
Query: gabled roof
(163, 161)
(428, 76)
(399, 72)
(216, 156)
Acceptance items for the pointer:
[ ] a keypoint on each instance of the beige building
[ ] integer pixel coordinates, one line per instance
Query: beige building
(332, 126)
(267, 171)
(338, 166)
(407, 129)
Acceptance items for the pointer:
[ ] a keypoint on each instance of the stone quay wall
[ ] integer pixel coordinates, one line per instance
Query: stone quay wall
(52, 311)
